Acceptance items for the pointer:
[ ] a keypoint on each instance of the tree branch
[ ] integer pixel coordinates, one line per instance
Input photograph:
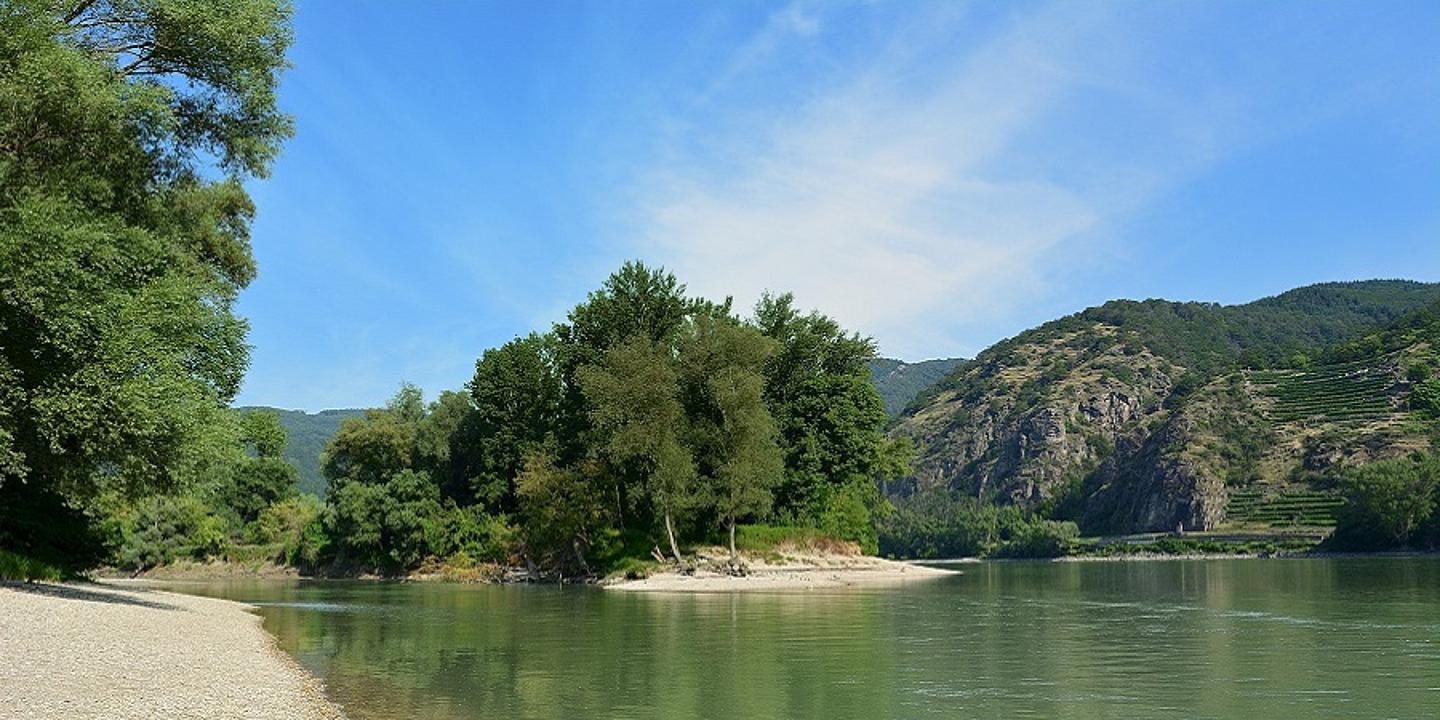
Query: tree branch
(78, 10)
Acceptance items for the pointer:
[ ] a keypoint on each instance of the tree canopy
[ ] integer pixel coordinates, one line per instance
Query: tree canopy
(124, 233)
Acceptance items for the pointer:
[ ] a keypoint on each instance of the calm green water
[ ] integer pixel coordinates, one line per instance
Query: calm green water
(1244, 639)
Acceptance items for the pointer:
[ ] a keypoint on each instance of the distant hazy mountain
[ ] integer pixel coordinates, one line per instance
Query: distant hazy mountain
(900, 382)
(308, 435)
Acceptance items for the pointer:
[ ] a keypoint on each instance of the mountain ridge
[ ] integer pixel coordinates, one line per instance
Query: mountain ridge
(1103, 416)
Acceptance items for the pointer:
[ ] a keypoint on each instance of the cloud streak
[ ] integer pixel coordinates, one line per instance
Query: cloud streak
(904, 201)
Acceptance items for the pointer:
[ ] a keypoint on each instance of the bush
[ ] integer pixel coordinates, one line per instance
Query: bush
(850, 515)
(14, 566)
(309, 547)
(1389, 504)
(1425, 398)
(772, 538)
(474, 533)
(1040, 539)
(165, 528)
(284, 521)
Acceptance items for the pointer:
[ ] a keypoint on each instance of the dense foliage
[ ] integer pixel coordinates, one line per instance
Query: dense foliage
(646, 421)
(127, 130)
(940, 523)
(1390, 504)
(245, 497)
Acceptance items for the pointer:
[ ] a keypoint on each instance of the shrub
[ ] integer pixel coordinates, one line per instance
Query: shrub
(474, 533)
(1040, 539)
(1388, 504)
(1425, 398)
(773, 538)
(165, 528)
(852, 513)
(283, 521)
(309, 547)
(14, 566)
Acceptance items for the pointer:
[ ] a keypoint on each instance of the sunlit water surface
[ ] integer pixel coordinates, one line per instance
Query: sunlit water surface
(1242, 639)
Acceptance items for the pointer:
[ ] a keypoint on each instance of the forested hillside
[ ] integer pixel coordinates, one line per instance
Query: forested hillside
(899, 382)
(1153, 415)
(306, 436)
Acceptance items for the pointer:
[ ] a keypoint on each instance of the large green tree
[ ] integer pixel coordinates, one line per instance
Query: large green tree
(732, 435)
(516, 392)
(633, 396)
(126, 130)
(383, 498)
(1389, 504)
(264, 478)
(830, 416)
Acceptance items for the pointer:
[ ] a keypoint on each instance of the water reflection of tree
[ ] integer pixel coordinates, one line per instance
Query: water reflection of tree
(580, 652)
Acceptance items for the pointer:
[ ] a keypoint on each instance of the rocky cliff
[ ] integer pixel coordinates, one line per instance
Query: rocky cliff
(1141, 417)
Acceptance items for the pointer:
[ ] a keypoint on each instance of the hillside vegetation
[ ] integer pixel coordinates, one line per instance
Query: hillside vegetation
(307, 434)
(899, 382)
(1155, 415)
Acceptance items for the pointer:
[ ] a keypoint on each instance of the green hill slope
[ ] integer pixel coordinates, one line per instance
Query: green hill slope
(900, 382)
(307, 435)
(1138, 415)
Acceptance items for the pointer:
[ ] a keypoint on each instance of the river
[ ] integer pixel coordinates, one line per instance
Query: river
(1240, 639)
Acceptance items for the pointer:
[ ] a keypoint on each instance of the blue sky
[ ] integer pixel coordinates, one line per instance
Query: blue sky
(936, 175)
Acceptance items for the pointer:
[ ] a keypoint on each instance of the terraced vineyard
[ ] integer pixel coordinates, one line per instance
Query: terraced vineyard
(1349, 391)
(1282, 509)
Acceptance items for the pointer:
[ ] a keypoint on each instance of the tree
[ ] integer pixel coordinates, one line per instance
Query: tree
(368, 449)
(122, 256)
(257, 483)
(830, 417)
(633, 396)
(382, 498)
(516, 391)
(558, 509)
(441, 447)
(253, 483)
(262, 432)
(385, 524)
(733, 435)
(634, 301)
(1387, 502)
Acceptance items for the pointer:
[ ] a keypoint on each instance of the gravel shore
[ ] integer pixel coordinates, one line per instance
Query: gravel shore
(100, 651)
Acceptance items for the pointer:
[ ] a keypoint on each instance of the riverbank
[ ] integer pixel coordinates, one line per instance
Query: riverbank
(104, 651)
(796, 572)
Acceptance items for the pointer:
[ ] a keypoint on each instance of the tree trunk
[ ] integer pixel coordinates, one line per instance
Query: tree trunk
(670, 531)
(579, 556)
(733, 555)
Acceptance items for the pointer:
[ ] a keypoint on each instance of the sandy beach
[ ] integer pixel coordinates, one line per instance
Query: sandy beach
(104, 651)
(797, 572)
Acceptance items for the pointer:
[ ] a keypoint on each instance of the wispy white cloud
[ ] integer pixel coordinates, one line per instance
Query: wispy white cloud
(916, 196)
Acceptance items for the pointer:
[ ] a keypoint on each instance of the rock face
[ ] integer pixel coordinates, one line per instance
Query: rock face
(1031, 448)
(1149, 484)
(1133, 418)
